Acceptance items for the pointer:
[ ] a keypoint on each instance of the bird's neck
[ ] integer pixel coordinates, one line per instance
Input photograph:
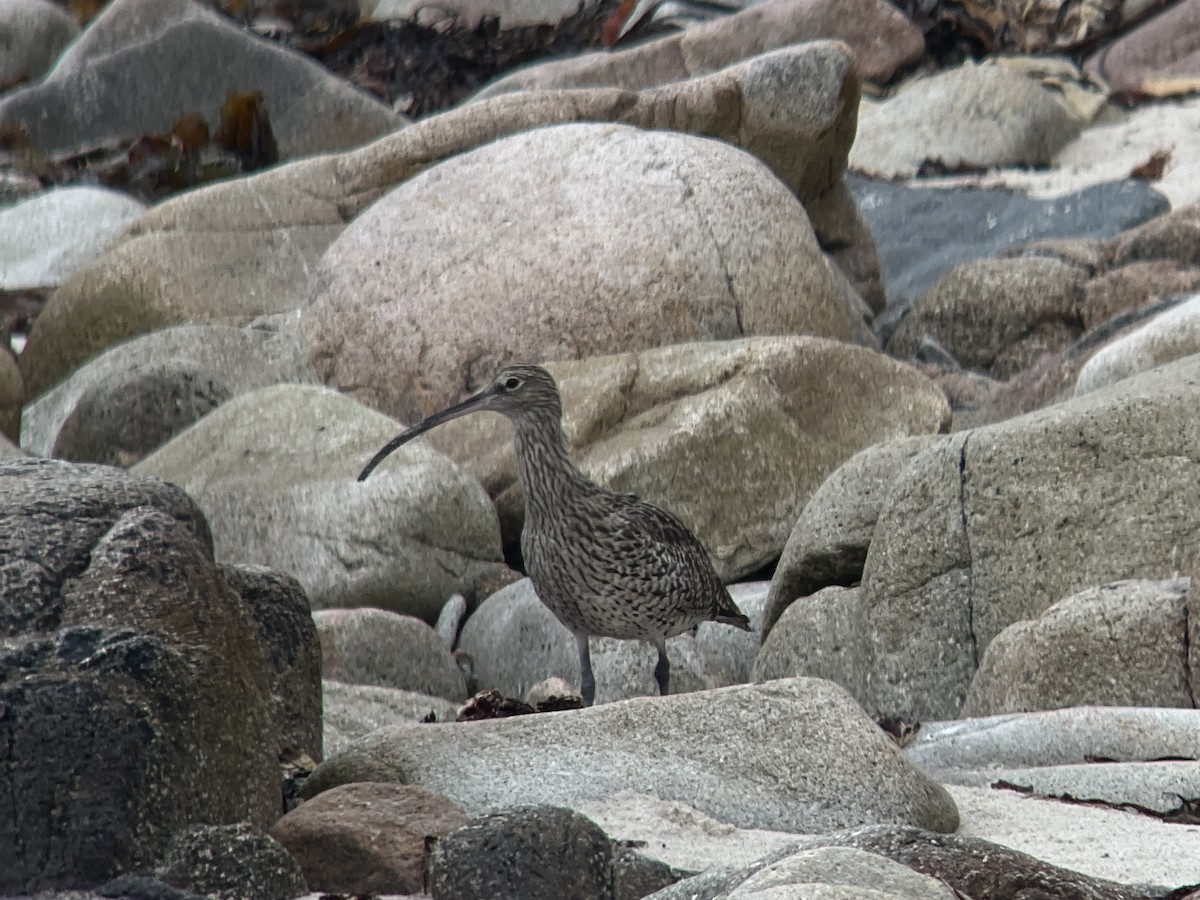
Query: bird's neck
(548, 477)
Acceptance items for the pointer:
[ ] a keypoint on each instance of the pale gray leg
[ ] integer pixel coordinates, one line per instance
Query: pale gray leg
(587, 681)
(662, 671)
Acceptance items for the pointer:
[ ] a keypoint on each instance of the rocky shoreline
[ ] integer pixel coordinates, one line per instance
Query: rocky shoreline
(894, 304)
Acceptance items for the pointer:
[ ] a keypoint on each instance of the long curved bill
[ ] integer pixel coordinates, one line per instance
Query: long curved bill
(470, 405)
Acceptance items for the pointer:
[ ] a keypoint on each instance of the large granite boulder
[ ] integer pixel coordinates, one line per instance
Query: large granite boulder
(630, 239)
(794, 755)
(994, 525)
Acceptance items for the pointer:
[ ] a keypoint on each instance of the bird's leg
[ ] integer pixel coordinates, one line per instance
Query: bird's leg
(587, 681)
(662, 671)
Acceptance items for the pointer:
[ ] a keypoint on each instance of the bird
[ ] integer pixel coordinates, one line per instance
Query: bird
(606, 564)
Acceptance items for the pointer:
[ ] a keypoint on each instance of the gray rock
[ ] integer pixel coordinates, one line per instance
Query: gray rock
(535, 853)
(515, 642)
(49, 237)
(921, 233)
(974, 116)
(232, 862)
(828, 544)
(735, 649)
(816, 636)
(997, 315)
(1055, 738)
(1168, 336)
(450, 620)
(793, 755)
(279, 607)
(841, 872)
(1164, 788)
(143, 63)
(976, 868)
(994, 525)
(12, 395)
(32, 33)
(381, 648)
(1123, 644)
(137, 395)
(113, 609)
(274, 471)
(353, 710)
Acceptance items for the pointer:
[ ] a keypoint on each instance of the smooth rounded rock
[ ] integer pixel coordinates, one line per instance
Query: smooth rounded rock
(48, 238)
(1123, 644)
(381, 648)
(536, 853)
(973, 116)
(994, 525)
(245, 247)
(32, 33)
(134, 397)
(997, 315)
(829, 873)
(828, 544)
(815, 637)
(274, 471)
(656, 238)
(1166, 337)
(881, 38)
(141, 64)
(793, 755)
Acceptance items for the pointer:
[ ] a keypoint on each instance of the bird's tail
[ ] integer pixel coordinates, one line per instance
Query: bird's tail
(729, 614)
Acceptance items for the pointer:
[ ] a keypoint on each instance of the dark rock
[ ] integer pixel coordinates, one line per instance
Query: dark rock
(124, 418)
(134, 691)
(922, 233)
(141, 886)
(232, 862)
(528, 853)
(280, 608)
(634, 876)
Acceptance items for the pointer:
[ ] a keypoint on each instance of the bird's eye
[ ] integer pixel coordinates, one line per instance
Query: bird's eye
(512, 383)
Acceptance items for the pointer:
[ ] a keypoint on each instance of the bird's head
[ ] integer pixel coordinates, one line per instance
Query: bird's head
(525, 394)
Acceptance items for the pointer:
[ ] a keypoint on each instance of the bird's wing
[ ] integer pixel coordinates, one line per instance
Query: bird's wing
(654, 543)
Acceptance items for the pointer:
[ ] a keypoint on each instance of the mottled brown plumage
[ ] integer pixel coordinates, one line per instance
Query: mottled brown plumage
(606, 564)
